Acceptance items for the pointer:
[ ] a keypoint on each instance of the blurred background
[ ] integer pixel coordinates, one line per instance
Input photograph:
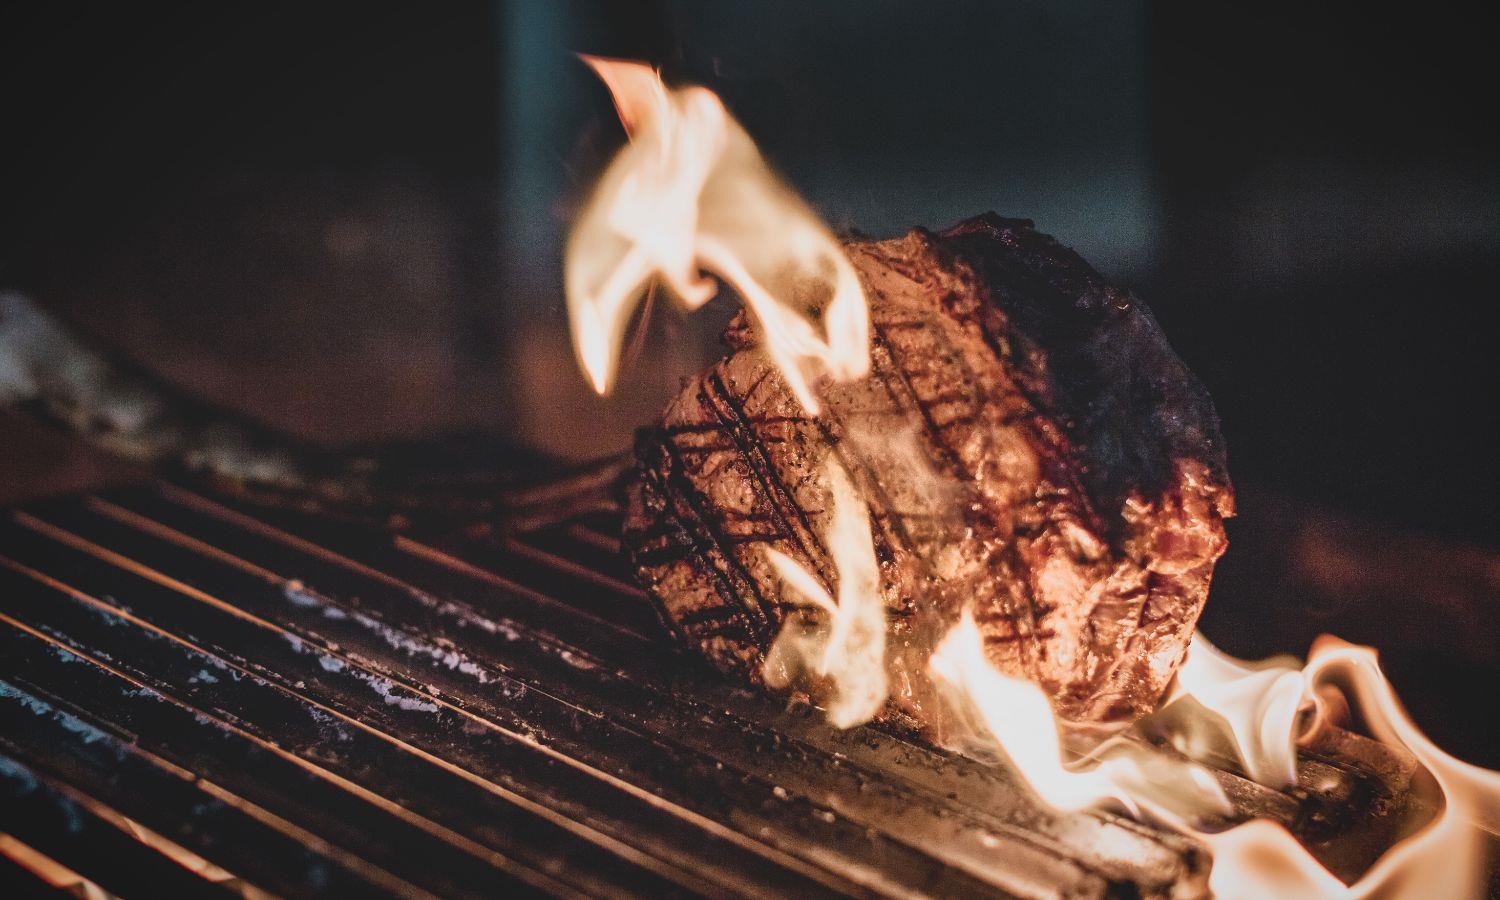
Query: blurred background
(345, 219)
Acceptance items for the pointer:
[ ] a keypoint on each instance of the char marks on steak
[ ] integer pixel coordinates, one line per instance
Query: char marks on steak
(1029, 446)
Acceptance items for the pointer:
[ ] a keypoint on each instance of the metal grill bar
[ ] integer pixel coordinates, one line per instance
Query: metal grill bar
(417, 715)
(330, 688)
(55, 820)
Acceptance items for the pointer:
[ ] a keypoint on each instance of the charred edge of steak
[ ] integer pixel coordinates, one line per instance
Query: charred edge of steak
(1132, 409)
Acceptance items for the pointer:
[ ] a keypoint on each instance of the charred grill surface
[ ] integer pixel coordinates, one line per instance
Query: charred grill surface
(199, 698)
(1028, 443)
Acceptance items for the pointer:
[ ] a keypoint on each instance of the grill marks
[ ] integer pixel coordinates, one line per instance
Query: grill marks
(996, 401)
(688, 522)
(1007, 625)
(688, 525)
(749, 440)
(495, 739)
(781, 506)
(1079, 461)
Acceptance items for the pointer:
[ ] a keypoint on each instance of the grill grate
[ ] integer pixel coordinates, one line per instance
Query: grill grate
(200, 699)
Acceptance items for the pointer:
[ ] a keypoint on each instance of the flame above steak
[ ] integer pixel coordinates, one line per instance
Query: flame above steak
(690, 192)
(994, 494)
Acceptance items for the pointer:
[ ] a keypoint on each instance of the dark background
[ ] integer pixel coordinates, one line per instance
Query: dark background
(345, 219)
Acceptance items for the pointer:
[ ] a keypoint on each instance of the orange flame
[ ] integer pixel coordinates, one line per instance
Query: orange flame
(1444, 859)
(1257, 703)
(1261, 859)
(1015, 717)
(691, 194)
(850, 649)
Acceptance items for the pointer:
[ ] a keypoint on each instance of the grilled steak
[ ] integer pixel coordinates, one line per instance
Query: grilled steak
(1029, 446)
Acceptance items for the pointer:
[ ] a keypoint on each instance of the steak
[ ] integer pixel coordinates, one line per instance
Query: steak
(1029, 446)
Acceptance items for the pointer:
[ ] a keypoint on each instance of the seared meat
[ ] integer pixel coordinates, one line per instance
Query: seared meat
(1029, 446)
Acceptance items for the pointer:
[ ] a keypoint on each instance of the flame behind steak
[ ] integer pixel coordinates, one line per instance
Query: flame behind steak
(1029, 446)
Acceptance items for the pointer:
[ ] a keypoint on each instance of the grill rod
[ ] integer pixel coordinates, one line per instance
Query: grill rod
(424, 715)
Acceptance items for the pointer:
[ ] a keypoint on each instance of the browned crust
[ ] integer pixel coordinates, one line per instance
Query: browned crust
(1079, 465)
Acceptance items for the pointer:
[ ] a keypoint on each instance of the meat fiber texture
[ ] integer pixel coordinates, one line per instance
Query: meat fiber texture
(1029, 445)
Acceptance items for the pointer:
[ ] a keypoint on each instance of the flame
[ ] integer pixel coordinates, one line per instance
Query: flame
(1258, 704)
(691, 194)
(1261, 859)
(690, 197)
(850, 649)
(1016, 717)
(1445, 859)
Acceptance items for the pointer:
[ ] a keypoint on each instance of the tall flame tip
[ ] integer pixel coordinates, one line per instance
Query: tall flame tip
(690, 195)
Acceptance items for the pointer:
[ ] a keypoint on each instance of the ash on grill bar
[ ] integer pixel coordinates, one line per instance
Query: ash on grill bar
(899, 598)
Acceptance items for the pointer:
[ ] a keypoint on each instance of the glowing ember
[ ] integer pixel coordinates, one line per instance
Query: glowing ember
(850, 649)
(691, 194)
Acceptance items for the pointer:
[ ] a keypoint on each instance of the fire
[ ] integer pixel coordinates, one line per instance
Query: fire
(1262, 859)
(1258, 704)
(690, 197)
(1015, 716)
(691, 194)
(850, 649)
(1445, 859)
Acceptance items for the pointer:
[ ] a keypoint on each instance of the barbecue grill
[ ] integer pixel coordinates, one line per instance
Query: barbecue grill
(202, 697)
